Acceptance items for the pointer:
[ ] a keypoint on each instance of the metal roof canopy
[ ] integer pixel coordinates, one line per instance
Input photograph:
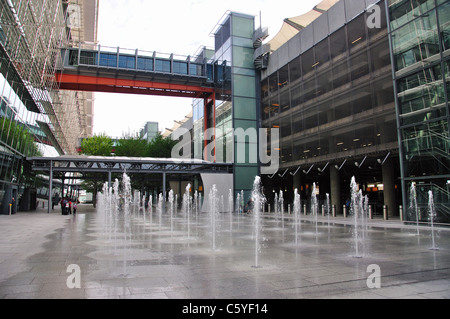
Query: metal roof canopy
(117, 164)
(104, 164)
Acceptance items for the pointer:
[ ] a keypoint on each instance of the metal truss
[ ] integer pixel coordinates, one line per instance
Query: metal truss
(100, 164)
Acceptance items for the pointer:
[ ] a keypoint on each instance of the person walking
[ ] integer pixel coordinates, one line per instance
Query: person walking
(63, 206)
(75, 207)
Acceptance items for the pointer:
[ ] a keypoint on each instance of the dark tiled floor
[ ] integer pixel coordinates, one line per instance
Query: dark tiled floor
(149, 257)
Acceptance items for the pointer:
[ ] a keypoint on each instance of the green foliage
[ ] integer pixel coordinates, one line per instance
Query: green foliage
(127, 146)
(161, 147)
(17, 136)
(132, 147)
(98, 145)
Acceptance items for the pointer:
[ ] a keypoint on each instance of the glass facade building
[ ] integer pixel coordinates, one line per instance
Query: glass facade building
(420, 39)
(34, 112)
(355, 92)
(329, 90)
(234, 105)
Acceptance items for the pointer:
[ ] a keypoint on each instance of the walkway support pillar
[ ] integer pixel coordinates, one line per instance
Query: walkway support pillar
(50, 187)
(164, 192)
(389, 187)
(335, 186)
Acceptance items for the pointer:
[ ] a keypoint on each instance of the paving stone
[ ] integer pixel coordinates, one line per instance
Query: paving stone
(149, 259)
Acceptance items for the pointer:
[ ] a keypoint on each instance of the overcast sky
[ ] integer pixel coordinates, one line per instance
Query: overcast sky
(175, 26)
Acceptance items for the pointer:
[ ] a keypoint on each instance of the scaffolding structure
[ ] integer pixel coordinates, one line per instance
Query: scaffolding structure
(32, 34)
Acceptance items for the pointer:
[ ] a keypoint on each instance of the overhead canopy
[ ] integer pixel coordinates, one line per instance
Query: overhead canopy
(292, 26)
(145, 165)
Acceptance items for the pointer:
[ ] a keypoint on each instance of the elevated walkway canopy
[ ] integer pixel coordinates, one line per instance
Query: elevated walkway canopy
(133, 165)
(120, 164)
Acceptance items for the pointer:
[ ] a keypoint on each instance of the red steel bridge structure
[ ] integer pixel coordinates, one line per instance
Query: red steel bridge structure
(149, 73)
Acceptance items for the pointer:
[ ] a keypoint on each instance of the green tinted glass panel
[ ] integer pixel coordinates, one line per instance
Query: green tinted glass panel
(243, 42)
(416, 41)
(244, 176)
(244, 86)
(244, 108)
(243, 27)
(444, 20)
(243, 57)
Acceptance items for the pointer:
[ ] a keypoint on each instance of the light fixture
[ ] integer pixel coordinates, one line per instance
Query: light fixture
(283, 173)
(293, 174)
(382, 162)
(359, 39)
(307, 172)
(340, 167)
(359, 165)
(322, 169)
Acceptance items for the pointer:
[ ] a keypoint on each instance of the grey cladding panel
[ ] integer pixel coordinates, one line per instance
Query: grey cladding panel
(336, 16)
(320, 26)
(354, 8)
(307, 38)
(283, 55)
(294, 47)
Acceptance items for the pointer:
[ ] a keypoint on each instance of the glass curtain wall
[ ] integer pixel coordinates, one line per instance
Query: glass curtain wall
(420, 37)
(335, 101)
(235, 106)
(30, 41)
(245, 119)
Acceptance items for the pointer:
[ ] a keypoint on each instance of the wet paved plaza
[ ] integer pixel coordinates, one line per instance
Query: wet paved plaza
(157, 257)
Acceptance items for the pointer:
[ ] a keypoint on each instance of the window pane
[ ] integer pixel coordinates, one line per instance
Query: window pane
(179, 67)
(338, 45)
(86, 57)
(284, 101)
(356, 32)
(418, 93)
(108, 59)
(444, 20)
(359, 65)
(283, 77)
(244, 108)
(243, 57)
(127, 62)
(403, 11)
(294, 70)
(145, 64)
(307, 62)
(242, 27)
(244, 86)
(321, 52)
(162, 65)
(415, 42)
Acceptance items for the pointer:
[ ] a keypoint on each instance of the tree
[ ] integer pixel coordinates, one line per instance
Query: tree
(161, 147)
(98, 145)
(132, 147)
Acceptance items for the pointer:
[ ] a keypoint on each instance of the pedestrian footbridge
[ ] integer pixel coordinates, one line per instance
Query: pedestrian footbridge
(115, 70)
